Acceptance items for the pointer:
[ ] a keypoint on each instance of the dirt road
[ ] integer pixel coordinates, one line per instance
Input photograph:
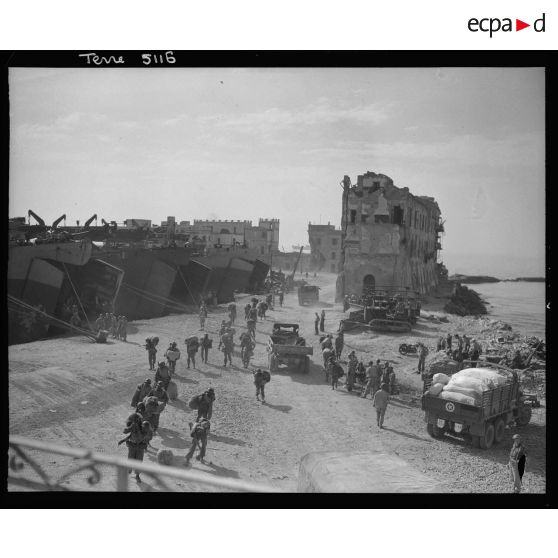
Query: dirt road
(71, 391)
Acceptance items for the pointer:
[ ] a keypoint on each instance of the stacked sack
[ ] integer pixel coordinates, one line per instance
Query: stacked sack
(439, 381)
(468, 385)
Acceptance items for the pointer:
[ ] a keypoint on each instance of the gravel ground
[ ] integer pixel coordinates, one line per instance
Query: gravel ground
(71, 391)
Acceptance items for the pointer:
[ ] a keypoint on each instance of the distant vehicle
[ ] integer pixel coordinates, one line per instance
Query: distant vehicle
(286, 347)
(384, 310)
(408, 349)
(484, 423)
(308, 294)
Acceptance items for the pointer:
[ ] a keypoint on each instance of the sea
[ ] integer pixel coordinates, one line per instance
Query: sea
(520, 304)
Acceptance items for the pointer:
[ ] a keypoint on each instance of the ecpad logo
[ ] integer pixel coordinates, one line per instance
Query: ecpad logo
(494, 24)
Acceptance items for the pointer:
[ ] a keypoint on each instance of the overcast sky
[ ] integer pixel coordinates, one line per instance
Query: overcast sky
(250, 143)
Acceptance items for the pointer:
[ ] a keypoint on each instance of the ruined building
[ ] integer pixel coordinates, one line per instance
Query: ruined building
(391, 238)
(325, 246)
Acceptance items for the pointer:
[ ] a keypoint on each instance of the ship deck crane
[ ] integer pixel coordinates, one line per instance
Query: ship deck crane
(40, 221)
(55, 223)
(89, 221)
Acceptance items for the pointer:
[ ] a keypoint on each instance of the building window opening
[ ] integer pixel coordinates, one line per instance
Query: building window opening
(398, 216)
(353, 216)
(334, 241)
(363, 218)
(333, 255)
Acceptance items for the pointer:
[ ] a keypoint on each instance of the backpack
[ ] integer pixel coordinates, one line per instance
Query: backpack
(266, 376)
(194, 403)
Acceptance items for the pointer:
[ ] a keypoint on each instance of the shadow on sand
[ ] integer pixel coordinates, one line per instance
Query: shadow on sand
(411, 436)
(226, 440)
(221, 471)
(179, 404)
(171, 439)
(282, 408)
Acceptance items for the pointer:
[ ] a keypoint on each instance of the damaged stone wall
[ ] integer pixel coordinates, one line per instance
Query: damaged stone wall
(388, 234)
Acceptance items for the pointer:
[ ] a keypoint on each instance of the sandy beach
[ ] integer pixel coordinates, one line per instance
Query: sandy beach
(71, 391)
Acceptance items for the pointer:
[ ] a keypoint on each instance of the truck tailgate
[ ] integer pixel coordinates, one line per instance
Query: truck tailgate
(451, 410)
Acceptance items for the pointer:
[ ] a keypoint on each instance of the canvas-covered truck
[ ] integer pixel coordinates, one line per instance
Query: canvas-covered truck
(308, 294)
(286, 347)
(481, 414)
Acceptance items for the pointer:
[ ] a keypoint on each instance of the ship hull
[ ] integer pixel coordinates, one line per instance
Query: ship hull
(173, 280)
(51, 278)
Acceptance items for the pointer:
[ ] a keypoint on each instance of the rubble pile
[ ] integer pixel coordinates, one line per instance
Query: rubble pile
(465, 302)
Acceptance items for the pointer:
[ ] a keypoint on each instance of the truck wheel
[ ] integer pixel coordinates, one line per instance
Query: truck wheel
(402, 349)
(349, 387)
(475, 441)
(499, 429)
(487, 440)
(434, 430)
(524, 415)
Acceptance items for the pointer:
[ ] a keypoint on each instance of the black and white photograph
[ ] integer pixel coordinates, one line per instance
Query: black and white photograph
(252, 277)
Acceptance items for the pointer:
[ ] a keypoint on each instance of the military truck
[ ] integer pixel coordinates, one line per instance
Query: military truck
(308, 294)
(286, 347)
(485, 423)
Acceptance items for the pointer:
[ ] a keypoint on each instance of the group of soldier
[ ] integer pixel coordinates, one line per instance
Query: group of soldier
(377, 380)
(117, 326)
(149, 402)
(460, 347)
(151, 397)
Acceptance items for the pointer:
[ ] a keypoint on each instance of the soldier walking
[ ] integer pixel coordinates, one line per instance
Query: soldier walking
(518, 456)
(336, 373)
(141, 392)
(251, 325)
(370, 380)
(317, 323)
(192, 346)
(172, 354)
(205, 404)
(322, 321)
(206, 344)
(163, 375)
(380, 402)
(151, 348)
(222, 331)
(339, 344)
(227, 346)
(423, 351)
(199, 431)
(261, 377)
(139, 434)
(123, 330)
(203, 315)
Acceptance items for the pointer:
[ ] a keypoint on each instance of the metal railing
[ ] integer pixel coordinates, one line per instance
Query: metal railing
(20, 462)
